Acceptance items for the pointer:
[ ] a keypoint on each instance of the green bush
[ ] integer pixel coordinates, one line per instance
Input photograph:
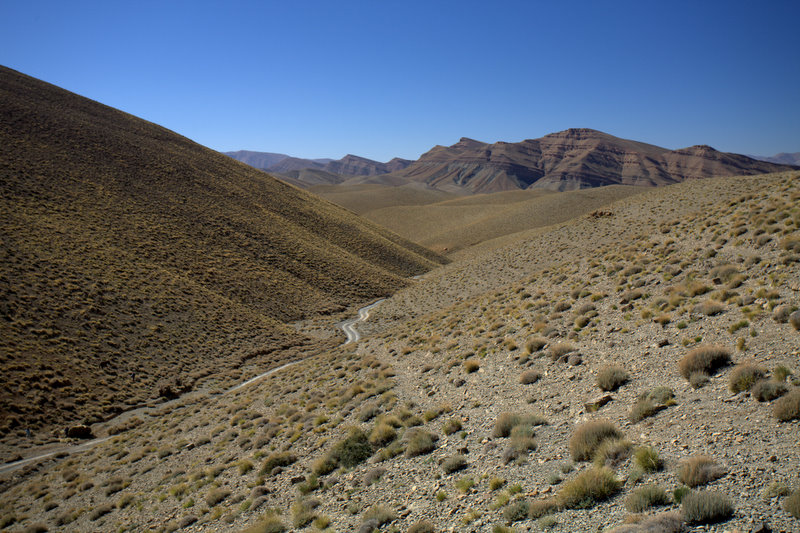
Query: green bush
(788, 407)
(612, 377)
(744, 376)
(645, 497)
(706, 507)
(699, 470)
(589, 436)
(588, 488)
(706, 359)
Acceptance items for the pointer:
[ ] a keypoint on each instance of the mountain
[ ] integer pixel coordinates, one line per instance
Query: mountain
(782, 158)
(310, 172)
(571, 159)
(132, 255)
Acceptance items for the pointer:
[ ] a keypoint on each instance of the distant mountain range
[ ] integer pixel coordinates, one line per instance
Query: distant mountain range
(782, 158)
(576, 158)
(308, 172)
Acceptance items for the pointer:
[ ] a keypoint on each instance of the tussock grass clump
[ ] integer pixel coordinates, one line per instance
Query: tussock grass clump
(215, 496)
(588, 488)
(706, 507)
(352, 450)
(705, 359)
(454, 464)
(766, 390)
(379, 515)
(669, 522)
(540, 508)
(792, 503)
(534, 345)
(277, 459)
(589, 436)
(710, 308)
(646, 458)
(522, 442)
(507, 421)
(794, 320)
(471, 365)
(419, 442)
(788, 407)
(382, 434)
(423, 526)
(558, 350)
(530, 376)
(645, 497)
(699, 470)
(451, 426)
(268, 524)
(612, 452)
(612, 377)
(516, 511)
(744, 376)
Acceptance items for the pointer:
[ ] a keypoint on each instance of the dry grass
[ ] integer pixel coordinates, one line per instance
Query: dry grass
(705, 359)
(699, 470)
(612, 377)
(788, 407)
(588, 488)
(588, 437)
(706, 507)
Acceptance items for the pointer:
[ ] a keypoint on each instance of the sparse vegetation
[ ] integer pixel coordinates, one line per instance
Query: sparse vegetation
(588, 488)
(788, 407)
(610, 378)
(703, 360)
(699, 470)
(588, 437)
(706, 507)
(645, 497)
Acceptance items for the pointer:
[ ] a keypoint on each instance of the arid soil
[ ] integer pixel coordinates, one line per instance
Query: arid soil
(462, 406)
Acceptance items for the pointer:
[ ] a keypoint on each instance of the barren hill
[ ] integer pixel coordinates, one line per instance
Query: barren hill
(132, 255)
(571, 159)
(634, 370)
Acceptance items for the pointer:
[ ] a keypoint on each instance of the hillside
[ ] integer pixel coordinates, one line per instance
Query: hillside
(571, 159)
(633, 371)
(456, 224)
(134, 259)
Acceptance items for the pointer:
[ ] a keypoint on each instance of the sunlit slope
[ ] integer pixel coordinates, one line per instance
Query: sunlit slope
(131, 254)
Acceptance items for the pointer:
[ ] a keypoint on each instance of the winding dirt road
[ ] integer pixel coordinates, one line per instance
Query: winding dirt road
(348, 327)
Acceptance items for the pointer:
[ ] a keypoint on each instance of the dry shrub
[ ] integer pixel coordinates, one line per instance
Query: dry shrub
(645, 497)
(588, 488)
(794, 320)
(215, 496)
(277, 459)
(792, 503)
(268, 524)
(557, 351)
(423, 526)
(540, 508)
(612, 452)
(352, 450)
(699, 470)
(507, 421)
(788, 407)
(530, 376)
(451, 426)
(612, 377)
(705, 359)
(419, 442)
(706, 507)
(535, 344)
(454, 464)
(646, 458)
(379, 514)
(589, 436)
(382, 434)
(669, 522)
(471, 365)
(710, 308)
(766, 390)
(744, 376)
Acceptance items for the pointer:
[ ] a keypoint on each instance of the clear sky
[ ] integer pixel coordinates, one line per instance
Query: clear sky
(384, 78)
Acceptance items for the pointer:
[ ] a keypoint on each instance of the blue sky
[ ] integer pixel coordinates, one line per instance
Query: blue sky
(385, 78)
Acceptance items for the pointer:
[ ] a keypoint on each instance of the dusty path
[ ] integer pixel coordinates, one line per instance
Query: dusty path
(348, 327)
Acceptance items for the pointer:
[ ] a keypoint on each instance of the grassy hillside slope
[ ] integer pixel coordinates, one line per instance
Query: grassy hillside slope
(542, 386)
(455, 224)
(132, 255)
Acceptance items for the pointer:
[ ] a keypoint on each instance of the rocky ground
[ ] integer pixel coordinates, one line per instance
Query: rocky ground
(412, 428)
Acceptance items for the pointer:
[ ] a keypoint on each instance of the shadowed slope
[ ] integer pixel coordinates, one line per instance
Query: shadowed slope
(132, 254)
